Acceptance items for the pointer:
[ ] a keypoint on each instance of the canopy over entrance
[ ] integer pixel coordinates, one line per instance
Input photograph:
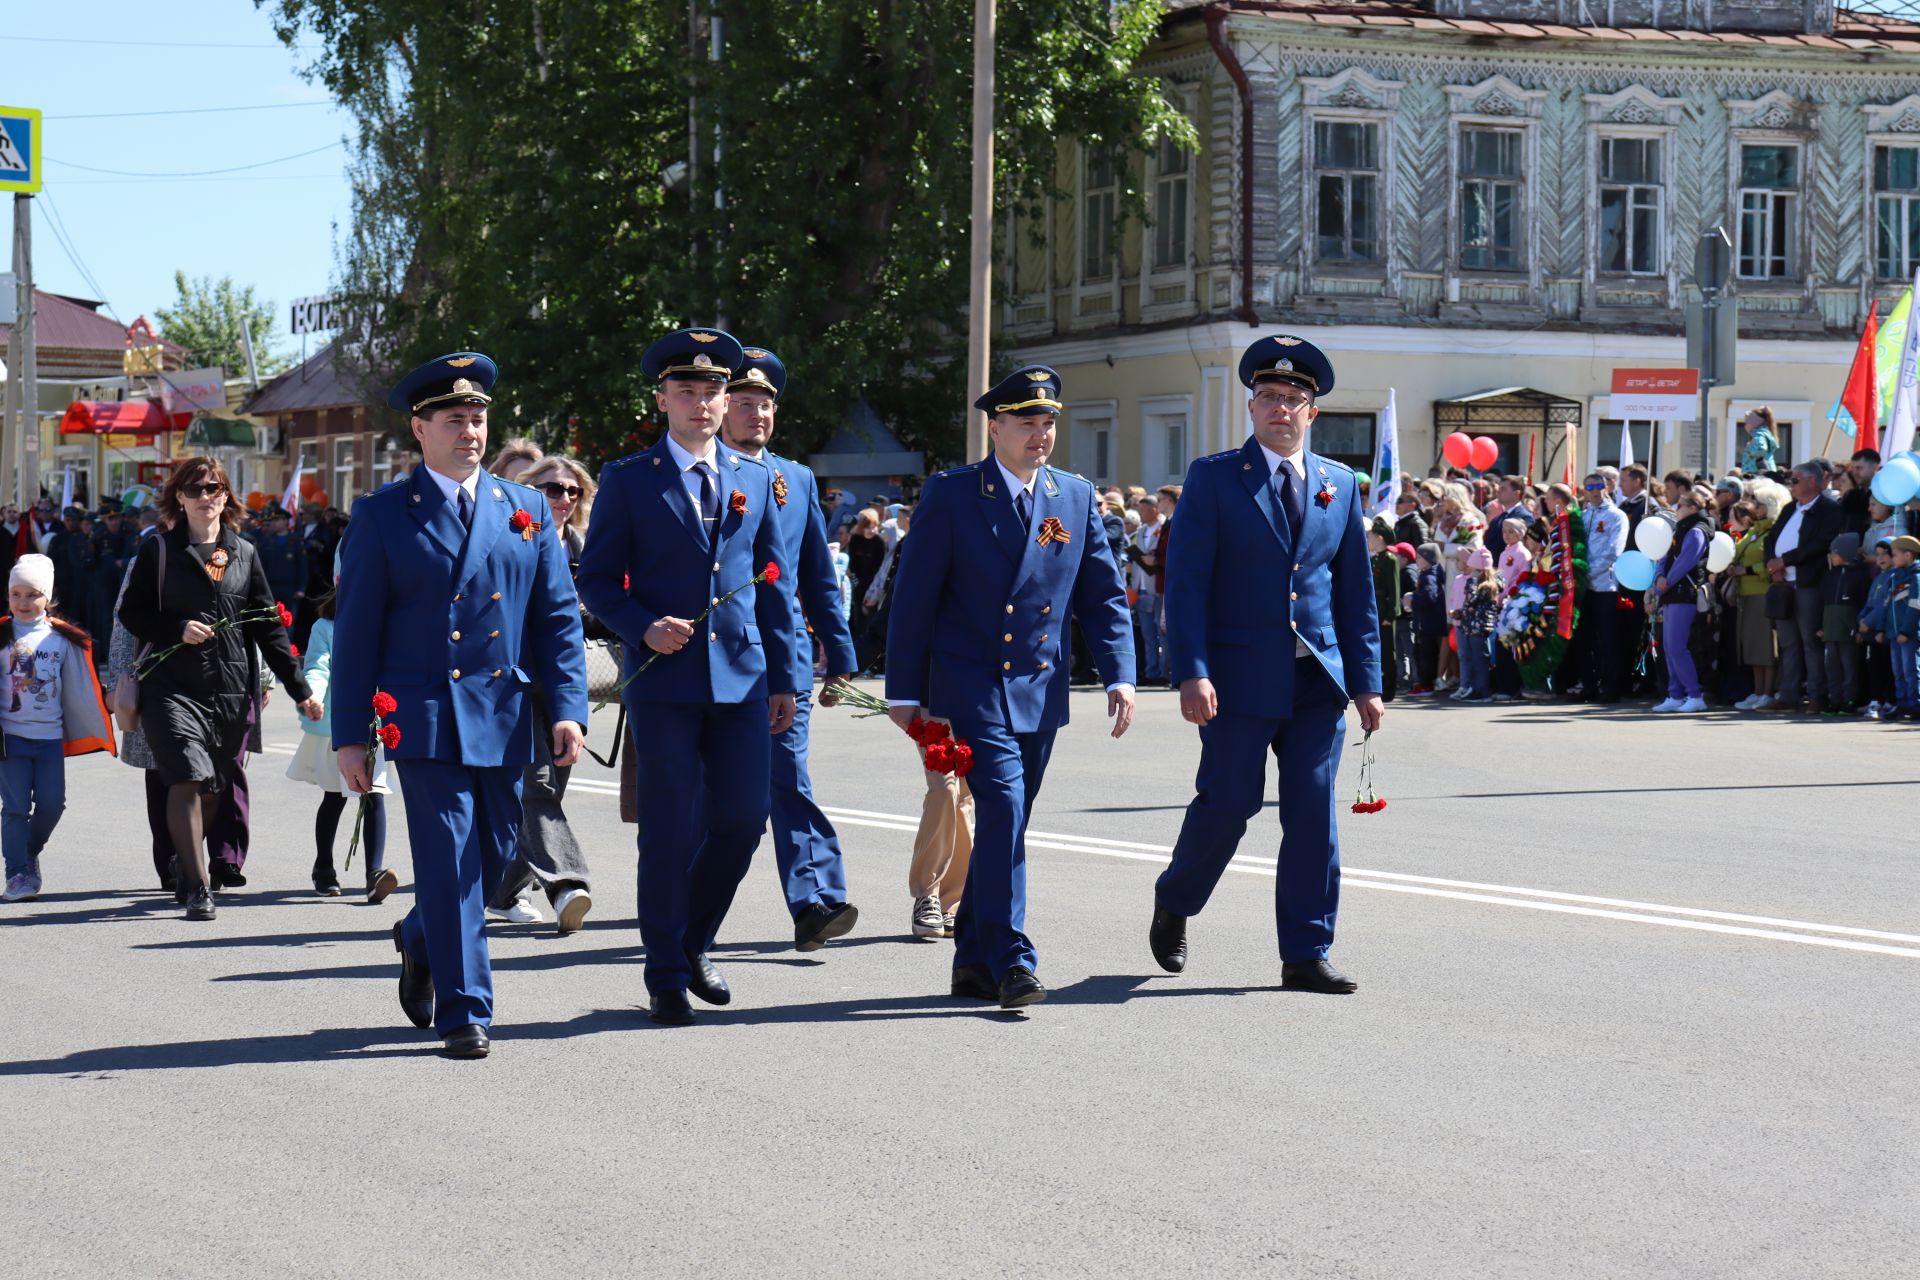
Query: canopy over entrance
(1511, 416)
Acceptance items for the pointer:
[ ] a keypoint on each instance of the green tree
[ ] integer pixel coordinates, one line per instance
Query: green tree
(523, 186)
(205, 319)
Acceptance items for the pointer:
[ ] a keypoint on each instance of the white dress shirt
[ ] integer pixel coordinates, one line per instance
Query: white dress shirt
(687, 461)
(450, 488)
(1789, 539)
(1298, 461)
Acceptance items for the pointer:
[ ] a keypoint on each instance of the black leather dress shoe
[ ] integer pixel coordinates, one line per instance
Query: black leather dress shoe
(416, 985)
(1168, 938)
(1020, 988)
(972, 982)
(705, 981)
(466, 1042)
(814, 927)
(200, 904)
(1316, 975)
(671, 1009)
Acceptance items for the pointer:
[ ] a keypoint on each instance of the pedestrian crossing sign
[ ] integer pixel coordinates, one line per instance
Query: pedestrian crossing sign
(19, 149)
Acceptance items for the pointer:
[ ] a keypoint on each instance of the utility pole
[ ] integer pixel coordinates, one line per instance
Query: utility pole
(1713, 261)
(980, 292)
(25, 370)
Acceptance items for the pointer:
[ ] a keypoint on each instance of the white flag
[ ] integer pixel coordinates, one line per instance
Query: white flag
(1906, 394)
(1626, 445)
(1386, 462)
(66, 492)
(290, 500)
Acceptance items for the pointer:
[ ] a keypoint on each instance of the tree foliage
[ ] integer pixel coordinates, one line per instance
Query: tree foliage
(205, 318)
(522, 186)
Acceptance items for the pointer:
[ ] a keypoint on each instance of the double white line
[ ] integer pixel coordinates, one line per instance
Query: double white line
(1770, 928)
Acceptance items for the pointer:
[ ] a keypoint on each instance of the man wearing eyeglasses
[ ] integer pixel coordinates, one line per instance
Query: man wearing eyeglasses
(1272, 628)
(806, 849)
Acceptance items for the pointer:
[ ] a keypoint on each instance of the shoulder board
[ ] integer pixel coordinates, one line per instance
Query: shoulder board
(1329, 462)
(1221, 457)
(949, 473)
(758, 462)
(612, 464)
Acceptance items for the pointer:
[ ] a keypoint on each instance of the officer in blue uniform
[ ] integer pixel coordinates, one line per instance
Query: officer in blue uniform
(1004, 555)
(1272, 628)
(453, 602)
(805, 847)
(675, 529)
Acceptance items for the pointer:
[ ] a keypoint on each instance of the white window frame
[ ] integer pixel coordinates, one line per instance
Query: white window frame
(1184, 272)
(1158, 414)
(1494, 103)
(1107, 286)
(1523, 197)
(1664, 183)
(1796, 219)
(339, 494)
(1875, 141)
(1383, 193)
(1087, 419)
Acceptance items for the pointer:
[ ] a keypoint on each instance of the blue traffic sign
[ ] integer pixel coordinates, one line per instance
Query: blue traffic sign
(19, 149)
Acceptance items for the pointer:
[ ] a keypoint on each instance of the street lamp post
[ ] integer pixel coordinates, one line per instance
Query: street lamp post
(980, 291)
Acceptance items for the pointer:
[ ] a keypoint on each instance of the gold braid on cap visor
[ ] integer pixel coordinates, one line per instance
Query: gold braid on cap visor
(1297, 376)
(1042, 403)
(481, 396)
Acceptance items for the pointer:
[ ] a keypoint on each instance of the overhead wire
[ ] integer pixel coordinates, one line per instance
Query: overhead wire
(192, 111)
(137, 44)
(60, 233)
(200, 173)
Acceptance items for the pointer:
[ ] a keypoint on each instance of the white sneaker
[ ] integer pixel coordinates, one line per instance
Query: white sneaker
(946, 924)
(1766, 703)
(1693, 705)
(927, 920)
(1746, 703)
(1873, 711)
(521, 912)
(24, 887)
(1671, 704)
(570, 908)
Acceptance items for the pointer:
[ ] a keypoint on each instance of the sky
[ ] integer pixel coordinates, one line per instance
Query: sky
(119, 238)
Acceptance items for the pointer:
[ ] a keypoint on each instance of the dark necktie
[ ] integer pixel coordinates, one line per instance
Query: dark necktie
(1022, 506)
(1292, 500)
(466, 510)
(709, 502)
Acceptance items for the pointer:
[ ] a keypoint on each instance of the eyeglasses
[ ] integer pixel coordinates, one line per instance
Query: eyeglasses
(554, 489)
(1292, 404)
(204, 490)
(1596, 487)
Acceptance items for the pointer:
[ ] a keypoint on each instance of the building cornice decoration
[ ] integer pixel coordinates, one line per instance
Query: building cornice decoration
(1776, 112)
(1895, 117)
(1495, 96)
(1353, 89)
(1635, 104)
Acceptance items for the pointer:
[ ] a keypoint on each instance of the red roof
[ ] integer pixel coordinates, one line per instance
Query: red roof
(75, 324)
(1853, 29)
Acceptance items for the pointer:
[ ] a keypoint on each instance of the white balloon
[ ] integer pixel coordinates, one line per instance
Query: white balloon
(1654, 537)
(1719, 551)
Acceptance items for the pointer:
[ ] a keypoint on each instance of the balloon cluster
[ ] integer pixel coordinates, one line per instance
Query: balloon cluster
(1636, 570)
(1898, 480)
(1477, 452)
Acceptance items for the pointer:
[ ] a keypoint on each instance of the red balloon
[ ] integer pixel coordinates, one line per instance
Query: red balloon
(1458, 449)
(1486, 452)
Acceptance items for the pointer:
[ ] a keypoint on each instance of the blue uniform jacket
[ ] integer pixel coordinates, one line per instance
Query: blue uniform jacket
(813, 591)
(979, 628)
(647, 558)
(455, 623)
(1241, 584)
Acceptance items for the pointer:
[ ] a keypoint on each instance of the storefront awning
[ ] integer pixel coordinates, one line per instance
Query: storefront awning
(119, 417)
(219, 433)
(1505, 409)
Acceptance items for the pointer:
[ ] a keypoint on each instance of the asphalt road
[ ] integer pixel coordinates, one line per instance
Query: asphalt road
(1638, 998)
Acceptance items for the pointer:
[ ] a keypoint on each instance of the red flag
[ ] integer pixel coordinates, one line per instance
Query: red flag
(1862, 395)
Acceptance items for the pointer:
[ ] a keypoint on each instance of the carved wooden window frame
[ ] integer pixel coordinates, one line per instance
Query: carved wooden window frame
(1351, 97)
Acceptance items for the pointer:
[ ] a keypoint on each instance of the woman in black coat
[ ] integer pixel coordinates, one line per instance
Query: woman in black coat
(198, 704)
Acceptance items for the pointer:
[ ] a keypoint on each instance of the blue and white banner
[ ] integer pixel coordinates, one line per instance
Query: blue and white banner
(1386, 462)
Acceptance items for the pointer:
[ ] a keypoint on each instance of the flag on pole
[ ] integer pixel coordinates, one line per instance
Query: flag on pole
(1906, 390)
(66, 491)
(1573, 451)
(1386, 462)
(1886, 351)
(290, 500)
(1626, 444)
(1860, 399)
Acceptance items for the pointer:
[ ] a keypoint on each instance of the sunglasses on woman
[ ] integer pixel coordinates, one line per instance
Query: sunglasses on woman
(554, 489)
(205, 490)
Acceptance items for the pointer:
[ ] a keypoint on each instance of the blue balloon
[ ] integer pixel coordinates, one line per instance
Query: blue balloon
(1897, 481)
(1633, 571)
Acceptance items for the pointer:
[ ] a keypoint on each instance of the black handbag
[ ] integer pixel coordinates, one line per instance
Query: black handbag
(1780, 601)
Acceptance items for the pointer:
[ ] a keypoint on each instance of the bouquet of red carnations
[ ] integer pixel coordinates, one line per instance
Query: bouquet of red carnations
(378, 735)
(1364, 801)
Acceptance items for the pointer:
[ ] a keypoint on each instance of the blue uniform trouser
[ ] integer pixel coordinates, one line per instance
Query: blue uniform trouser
(1230, 789)
(990, 929)
(462, 822)
(804, 844)
(704, 776)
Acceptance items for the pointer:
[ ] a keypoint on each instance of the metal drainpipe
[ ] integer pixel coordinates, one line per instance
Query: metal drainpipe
(1217, 15)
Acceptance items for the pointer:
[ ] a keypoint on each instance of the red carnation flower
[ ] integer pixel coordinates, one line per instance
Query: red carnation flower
(918, 730)
(962, 759)
(772, 572)
(384, 705)
(940, 757)
(286, 619)
(936, 732)
(295, 648)
(520, 520)
(390, 736)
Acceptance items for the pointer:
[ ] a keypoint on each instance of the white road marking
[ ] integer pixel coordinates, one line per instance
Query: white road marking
(1624, 909)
